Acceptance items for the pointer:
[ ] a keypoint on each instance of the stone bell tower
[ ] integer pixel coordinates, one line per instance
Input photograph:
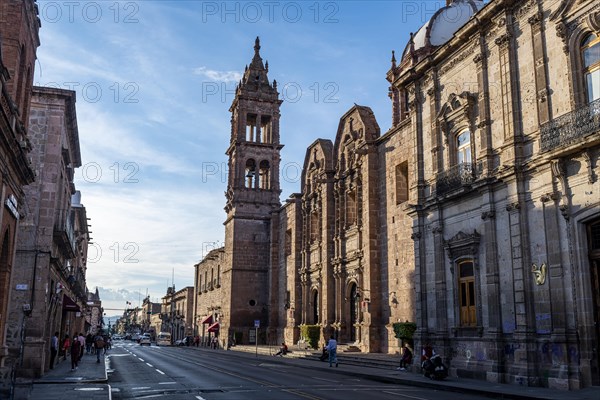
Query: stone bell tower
(252, 195)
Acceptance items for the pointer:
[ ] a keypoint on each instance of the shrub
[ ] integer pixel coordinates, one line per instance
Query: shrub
(311, 334)
(404, 330)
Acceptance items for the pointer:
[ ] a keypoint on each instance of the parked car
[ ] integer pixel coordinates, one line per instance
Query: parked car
(145, 339)
(181, 342)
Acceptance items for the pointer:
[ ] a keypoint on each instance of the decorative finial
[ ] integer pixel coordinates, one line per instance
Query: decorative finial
(267, 66)
(257, 44)
(246, 69)
(393, 59)
(274, 84)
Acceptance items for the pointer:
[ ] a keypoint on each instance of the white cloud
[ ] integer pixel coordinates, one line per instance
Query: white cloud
(219, 76)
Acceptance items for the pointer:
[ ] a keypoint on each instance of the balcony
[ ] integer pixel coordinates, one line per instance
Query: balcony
(571, 127)
(455, 177)
(64, 234)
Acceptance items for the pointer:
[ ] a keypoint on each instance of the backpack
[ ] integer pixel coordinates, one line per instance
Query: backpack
(99, 342)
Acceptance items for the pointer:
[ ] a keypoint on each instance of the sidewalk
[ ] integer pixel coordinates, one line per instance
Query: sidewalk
(382, 368)
(88, 382)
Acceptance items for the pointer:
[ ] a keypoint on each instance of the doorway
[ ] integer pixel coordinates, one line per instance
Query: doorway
(593, 234)
(354, 299)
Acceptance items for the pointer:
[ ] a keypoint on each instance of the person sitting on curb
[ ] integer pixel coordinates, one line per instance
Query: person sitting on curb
(282, 350)
(406, 358)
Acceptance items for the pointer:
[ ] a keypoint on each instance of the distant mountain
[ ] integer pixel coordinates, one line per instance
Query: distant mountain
(114, 301)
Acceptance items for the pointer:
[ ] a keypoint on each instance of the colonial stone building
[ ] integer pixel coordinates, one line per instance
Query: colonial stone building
(53, 239)
(19, 26)
(209, 293)
(476, 215)
(176, 312)
(503, 188)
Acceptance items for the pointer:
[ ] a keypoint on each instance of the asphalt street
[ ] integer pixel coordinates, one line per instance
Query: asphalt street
(137, 372)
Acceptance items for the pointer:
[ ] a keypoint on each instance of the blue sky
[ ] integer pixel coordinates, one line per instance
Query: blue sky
(154, 82)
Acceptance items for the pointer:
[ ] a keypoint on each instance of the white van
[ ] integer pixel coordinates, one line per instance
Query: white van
(163, 339)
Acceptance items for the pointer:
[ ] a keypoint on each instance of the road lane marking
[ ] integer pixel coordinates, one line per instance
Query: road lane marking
(140, 388)
(403, 395)
(200, 398)
(141, 359)
(159, 371)
(167, 383)
(150, 365)
(302, 394)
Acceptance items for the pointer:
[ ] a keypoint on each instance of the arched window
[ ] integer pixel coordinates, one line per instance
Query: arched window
(590, 51)
(463, 146)
(264, 175)
(266, 129)
(250, 127)
(250, 174)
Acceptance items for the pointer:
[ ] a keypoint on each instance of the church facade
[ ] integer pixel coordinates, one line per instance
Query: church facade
(476, 215)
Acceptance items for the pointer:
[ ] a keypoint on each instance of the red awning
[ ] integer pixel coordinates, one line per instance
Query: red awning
(70, 305)
(214, 327)
(207, 320)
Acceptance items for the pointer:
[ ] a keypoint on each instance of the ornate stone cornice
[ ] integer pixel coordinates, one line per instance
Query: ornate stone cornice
(514, 206)
(593, 21)
(415, 236)
(524, 8)
(463, 244)
(587, 156)
(458, 59)
(483, 123)
(488, 215)
(503, 41)
(435, 229)
(536, 20)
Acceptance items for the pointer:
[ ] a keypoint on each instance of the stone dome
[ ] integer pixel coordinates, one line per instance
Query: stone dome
(442, 26)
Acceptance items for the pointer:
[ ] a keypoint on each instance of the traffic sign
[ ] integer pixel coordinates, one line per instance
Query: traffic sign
(257, 323)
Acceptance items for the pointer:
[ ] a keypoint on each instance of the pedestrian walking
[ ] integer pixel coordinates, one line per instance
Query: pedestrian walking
(66, 346)
(89, 341)
(99, 345)
(332, 350)
(53, 349)
(107, 343)
(75, 352)
(81, 339)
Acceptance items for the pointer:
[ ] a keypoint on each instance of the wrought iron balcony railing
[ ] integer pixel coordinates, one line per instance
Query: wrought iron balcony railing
(64, 232)
(570, 127)
(460, 175)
